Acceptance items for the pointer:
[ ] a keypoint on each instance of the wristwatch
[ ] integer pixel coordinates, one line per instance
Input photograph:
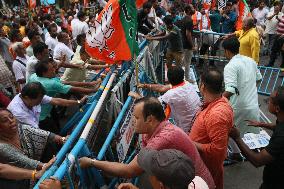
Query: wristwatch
(63, 139)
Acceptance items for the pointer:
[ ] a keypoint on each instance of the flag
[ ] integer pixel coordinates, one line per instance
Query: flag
(221, 4)
(114, 37)
(32, 4)
(86, 3)
(244, 12)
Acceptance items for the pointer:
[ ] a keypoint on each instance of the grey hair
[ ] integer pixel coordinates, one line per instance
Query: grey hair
(16, 46)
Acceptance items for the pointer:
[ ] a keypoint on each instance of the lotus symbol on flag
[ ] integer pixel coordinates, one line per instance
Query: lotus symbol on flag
(98, 35)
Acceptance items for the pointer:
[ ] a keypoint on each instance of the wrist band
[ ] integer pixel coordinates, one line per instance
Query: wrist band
(33, 175)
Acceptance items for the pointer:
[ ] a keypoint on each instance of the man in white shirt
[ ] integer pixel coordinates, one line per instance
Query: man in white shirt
(152, 15)
(204, 23)
(62, 50)
(40, 53)
(47, 34)
(271, 26)
(26, 106)
(180, 101)
(260, 14)
(240, 77)
(34, 38)
(79, 25)
(19, 64)
(52, 41)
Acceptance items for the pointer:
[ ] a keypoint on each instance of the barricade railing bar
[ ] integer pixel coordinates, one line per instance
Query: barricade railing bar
(207, 47)
(74, 135)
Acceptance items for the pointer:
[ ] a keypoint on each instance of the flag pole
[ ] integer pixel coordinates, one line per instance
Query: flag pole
(134, 49)
(136, 69)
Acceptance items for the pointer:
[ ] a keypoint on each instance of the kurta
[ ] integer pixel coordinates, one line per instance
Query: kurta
(240, 76)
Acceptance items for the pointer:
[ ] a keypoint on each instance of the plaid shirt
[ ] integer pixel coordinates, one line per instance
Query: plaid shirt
(6, 77)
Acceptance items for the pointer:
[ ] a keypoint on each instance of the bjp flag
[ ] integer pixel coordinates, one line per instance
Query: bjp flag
(32, 4)
(113, 38)
(243, 13)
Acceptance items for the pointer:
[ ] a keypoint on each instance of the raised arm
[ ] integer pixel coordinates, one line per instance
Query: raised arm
(82, 84)
(257, 159)
(96, 67)
(65, 102)
(114, 168)
(15, 173)
(253, 123)
(156, 87)
(83, 90)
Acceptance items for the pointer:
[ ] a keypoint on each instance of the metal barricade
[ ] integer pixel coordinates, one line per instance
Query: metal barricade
(100, 122)
(207, 47)
(271, 79)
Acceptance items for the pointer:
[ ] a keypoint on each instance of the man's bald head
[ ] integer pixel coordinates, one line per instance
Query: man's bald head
(248, 23)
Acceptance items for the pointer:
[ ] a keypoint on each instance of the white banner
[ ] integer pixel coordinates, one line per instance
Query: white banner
(126, 133)
(255, 141)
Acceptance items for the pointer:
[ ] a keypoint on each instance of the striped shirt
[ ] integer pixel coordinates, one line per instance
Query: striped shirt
(280, 26)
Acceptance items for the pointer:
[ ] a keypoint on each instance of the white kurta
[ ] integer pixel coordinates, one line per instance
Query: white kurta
(241, 74)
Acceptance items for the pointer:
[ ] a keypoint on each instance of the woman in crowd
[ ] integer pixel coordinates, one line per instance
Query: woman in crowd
(22, 145)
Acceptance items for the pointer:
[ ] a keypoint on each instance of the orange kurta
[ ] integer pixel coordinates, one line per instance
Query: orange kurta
(211, 129)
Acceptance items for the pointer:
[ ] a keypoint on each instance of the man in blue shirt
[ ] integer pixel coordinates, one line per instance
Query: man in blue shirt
(228, 20)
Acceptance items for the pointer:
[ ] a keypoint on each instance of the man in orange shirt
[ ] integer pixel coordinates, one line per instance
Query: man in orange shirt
(210, 131)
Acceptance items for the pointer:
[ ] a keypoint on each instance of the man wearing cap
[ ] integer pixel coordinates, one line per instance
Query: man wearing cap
(158, 134)
(171, 168)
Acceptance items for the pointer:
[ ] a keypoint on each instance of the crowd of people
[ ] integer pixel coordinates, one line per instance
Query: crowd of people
(44, 65)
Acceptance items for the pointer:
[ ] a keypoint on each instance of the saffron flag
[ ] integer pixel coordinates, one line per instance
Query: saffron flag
(244, 12)
(32, 4)
(114, 37)
(86, 3)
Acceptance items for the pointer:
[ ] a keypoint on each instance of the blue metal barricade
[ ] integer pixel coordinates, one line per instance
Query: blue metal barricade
(87, 145)
(74, 135)
(271, 79)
